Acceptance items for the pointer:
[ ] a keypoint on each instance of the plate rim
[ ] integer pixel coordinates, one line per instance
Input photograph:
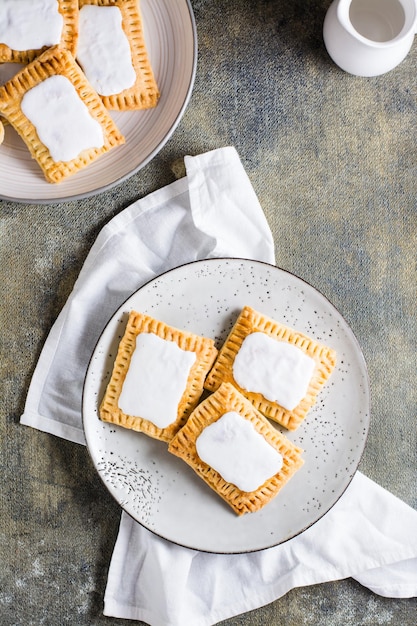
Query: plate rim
(365, 429)
(151, 155)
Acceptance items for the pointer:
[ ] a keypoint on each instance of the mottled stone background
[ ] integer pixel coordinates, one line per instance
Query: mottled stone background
(332, 158)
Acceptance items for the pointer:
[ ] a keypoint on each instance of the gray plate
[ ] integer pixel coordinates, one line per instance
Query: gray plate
(171, 40)
(159, 490)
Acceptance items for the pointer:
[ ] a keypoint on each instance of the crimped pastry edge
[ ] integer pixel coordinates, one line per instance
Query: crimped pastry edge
(228, 398)
(250, 321)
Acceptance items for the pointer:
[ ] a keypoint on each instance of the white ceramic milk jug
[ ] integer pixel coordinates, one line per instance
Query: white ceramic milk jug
(369, 37)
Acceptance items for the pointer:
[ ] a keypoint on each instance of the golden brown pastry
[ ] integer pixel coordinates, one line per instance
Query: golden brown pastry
(157, 378)
(58, 115)
(262, 353)
(49, 22)
(113, 54)
(246, 448)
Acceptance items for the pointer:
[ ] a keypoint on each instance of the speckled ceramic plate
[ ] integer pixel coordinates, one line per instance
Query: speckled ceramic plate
(171, 40)
(159, 490)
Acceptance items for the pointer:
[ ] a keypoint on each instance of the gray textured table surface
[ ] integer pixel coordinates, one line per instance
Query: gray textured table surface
(332, 158)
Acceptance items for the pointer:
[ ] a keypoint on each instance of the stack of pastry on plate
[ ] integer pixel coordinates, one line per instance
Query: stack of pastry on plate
(264, 371)
(81, 59)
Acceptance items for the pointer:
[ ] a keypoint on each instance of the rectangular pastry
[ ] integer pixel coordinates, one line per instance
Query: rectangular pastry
(113, 55)
(28, 27)
(58, 115)
(158, 377)
(278, 369)
(236, 451)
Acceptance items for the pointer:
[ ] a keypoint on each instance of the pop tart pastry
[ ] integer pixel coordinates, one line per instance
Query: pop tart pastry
(58, 115)
(28, 27)
(278, 369)
(236, 450)
(113, 54)
(158, 377)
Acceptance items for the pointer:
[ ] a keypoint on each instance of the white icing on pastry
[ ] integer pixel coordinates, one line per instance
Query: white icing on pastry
(234, 448)
(30, 24)
(103, 50)
(156, 380)
(278, 370)
(62, 120)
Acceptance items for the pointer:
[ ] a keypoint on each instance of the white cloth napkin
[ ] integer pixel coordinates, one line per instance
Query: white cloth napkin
(369, 534)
